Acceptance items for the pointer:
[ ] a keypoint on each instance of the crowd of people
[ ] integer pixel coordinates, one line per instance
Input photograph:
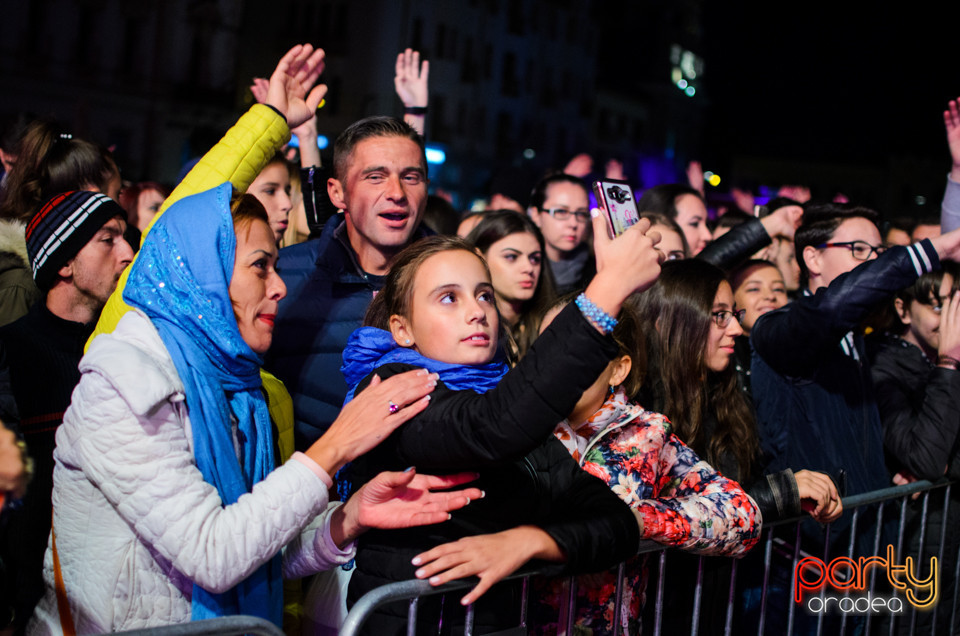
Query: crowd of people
(182, 417)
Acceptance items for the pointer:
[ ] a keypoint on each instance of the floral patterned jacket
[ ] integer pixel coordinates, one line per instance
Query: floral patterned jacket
(683, 501)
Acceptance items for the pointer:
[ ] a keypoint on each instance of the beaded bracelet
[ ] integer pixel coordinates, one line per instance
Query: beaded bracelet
(597, 317)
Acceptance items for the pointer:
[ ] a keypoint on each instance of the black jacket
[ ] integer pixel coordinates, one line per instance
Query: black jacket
(736, 246)
(919, 406)
(527, 480)
(43, 352)
(815, 402)
(920, 410)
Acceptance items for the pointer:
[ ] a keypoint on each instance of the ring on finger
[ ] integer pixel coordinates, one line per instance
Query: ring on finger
(392, 407)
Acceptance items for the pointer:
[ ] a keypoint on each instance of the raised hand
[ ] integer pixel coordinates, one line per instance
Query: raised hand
(371, 416)
(626, 264)
(695, 176)
(291, 87)
(951, 121)
(614, 170)
(491, 557)
(259, 89)
(783, 222)
(411, 80)
(401, 500)
(799, 193)
(306, 133)
(579, 166)
(949, 330)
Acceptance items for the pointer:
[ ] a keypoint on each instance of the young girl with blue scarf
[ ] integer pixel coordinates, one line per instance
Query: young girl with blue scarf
(437, 311)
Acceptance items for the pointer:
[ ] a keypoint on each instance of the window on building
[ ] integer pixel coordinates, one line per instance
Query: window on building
(416, 35)
(509, 84)
(440, 44)
(479, 124)
(504, 131)
(468, 67)
(515, 21)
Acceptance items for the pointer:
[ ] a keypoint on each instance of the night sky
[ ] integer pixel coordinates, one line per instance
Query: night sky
(846, 84)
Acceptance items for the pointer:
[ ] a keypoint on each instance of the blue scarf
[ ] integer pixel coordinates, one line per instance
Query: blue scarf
(180, 280)
(369, 348)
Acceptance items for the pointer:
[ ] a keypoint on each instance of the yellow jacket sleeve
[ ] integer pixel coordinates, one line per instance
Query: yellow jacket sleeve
(237, 158)
(280, 405)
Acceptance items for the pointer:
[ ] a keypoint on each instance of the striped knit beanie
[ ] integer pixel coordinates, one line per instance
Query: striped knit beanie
(61, 228)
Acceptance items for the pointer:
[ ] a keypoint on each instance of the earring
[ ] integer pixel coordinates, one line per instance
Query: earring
(612, 390)
(407, 341)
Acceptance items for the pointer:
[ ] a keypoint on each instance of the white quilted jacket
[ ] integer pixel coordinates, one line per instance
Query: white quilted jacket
(135, 522)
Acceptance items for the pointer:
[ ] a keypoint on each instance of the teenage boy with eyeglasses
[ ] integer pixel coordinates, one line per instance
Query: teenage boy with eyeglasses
(811, 385)
(560, 206)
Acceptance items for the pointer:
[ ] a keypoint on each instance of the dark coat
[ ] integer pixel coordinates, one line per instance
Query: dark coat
(43, 352)
(919, 406)
(327, 297)
(736, 246)
(815, 402)
(920, 409)
(527, 480)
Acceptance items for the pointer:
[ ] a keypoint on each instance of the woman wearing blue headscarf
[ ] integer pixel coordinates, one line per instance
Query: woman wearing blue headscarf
(167, 505)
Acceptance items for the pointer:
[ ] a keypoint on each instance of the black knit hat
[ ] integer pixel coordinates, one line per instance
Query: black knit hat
(61, 228)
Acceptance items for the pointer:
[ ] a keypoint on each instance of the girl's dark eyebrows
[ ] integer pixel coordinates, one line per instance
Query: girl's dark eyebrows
(445, 287)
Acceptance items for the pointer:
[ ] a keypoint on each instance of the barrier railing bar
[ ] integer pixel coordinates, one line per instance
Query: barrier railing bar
(846, 593)
(873, 571)
(524, 601)
(468, 622)
(923, 536)
(618, 604)
(956, 589)
(658, 608)
(767, 556)
(225, 625)
(731, 598)
(943, 543)
(793, 582)
(697, 596)
(412, 616)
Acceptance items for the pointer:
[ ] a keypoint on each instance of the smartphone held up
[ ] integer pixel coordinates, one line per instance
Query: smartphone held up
(618, 204)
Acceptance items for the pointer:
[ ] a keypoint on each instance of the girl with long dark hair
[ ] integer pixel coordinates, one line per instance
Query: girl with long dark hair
(514, 250)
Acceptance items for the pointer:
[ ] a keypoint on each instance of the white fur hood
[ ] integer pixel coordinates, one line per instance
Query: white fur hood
(12, 240)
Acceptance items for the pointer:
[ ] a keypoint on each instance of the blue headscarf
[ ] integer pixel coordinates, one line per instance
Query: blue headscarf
(180, 281)
(369, 348)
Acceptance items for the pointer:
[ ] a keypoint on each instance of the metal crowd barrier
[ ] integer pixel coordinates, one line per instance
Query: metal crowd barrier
(890, 504)
(225, 626)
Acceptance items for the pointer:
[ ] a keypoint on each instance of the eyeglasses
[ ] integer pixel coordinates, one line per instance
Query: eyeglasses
(723, 317)
(934, 303)
(562, 214)
(861, 250)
